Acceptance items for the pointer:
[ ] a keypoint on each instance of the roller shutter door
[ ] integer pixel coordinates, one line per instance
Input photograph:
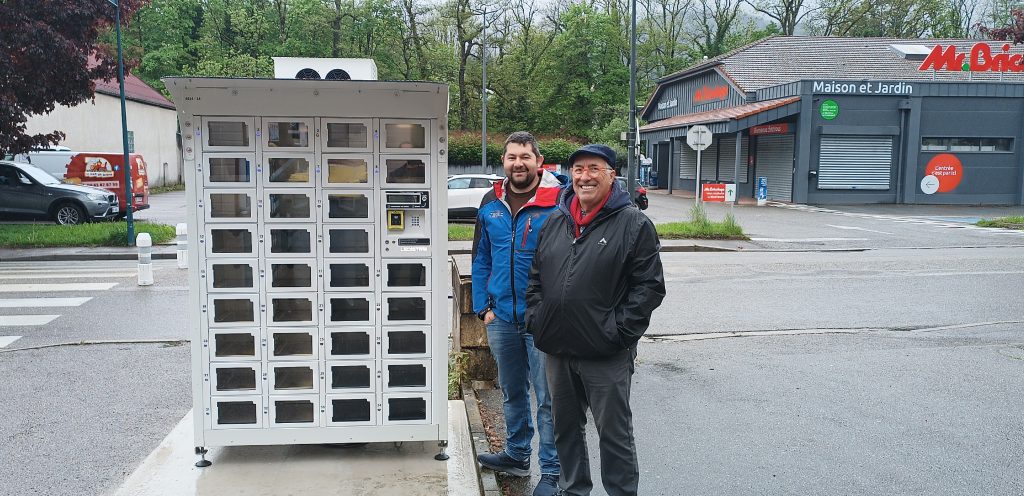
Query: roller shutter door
(855, 162)
(727, 162)
(708, 159)
(687, 161)
(775, 161)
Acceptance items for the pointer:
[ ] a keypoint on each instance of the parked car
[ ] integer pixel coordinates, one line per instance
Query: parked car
(98, 169)
(641, 193)
(465, 191)
(28, 190)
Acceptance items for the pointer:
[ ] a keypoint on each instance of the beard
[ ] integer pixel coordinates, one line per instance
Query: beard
(523, 184)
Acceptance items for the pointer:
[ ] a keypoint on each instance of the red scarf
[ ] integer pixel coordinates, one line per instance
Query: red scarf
(577, 212)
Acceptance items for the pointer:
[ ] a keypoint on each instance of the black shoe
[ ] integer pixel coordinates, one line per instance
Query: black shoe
(548, 486)
(501, 462)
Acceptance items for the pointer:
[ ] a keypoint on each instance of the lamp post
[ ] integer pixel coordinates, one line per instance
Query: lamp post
(483, 93)
(124, 128)
(632, 143)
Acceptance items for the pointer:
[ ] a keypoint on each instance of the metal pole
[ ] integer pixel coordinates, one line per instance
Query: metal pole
(483, 91)
(124, 132)
(696, 197)
(736, 171)
(633, 145)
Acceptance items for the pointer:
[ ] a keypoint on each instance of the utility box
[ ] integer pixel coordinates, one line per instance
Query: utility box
(319, 281)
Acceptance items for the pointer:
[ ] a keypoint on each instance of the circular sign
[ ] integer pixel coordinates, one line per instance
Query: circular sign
(947, 169)
(829, 109)
(929, 185)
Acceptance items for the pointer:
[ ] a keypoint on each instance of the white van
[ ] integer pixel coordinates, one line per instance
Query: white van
(53, 160)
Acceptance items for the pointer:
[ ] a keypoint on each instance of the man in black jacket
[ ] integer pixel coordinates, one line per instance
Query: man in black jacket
(596, 279)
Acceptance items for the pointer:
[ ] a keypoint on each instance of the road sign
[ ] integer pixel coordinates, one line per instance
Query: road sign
(730, 192)
(714, 193)
(699, 138)
(762, 190)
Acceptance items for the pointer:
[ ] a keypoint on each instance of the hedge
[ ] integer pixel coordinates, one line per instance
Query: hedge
(464, 149)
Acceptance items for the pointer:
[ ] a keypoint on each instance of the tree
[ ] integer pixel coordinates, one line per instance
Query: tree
(714, 25)
(45, 50)
(1013, 31)
(787, 13)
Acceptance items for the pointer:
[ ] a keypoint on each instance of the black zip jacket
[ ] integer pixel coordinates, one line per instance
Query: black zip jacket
(593, 296)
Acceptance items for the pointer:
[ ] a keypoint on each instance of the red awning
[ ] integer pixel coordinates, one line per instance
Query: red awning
(718, 115)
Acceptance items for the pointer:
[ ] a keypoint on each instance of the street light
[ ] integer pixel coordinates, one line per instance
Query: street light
(632, 144)
(483, 93)
(124, 128)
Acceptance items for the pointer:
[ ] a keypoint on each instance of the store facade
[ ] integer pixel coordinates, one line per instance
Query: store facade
(849, 121)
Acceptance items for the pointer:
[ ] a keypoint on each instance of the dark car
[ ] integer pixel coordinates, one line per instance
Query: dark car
(641, 193)
(28, 190)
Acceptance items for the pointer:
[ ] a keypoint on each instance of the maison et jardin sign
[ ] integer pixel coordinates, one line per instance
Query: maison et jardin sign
(863, 87)
(668, 104)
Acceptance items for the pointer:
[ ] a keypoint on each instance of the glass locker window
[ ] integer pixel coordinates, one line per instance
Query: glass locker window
(227, 133)
(231, 241)
(355, 275)
(233, 310)
(411, 375)
(407, 409)
(294, 411)
(236, 379)
(287, 135)
(232, 276)
(350, 343)
(347, 135)
(292, 309)
(290, 241)
(405, 135)
(348, 206)
(292, 344)
(350, 310)
(405, 171)
(286, 378)
(236, 412)
(407, 308)
(407, 275)
(348, 171)
(290, 206)
(351, 377)
(288, 170)
(349, 241)
(230, 169)
(230, 205)
(234, 345)
(407, 342)
(351, 410)
(291, 275)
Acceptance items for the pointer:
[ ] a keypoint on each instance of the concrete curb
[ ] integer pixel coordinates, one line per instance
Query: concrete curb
(488, 481)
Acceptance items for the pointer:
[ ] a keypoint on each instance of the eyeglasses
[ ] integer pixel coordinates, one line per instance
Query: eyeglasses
(592, 170)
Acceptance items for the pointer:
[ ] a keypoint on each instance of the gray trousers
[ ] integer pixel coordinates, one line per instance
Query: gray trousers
(602, 385)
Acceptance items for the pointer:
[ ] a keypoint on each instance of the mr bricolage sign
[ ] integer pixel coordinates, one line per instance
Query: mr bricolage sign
(981, 59)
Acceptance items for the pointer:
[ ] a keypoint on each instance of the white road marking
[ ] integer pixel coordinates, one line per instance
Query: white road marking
(14, 275)
(7, 340)
(42, 302)
(71, 286)
(806, 240)
(853, 228)
(26, 320)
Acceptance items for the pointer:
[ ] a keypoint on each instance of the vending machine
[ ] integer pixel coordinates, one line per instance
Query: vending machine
(317, 216)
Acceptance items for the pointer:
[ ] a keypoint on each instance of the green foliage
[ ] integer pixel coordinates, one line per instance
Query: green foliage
(460, 232)
(700, 227)
(1012, 222)
(464, 148)
(456, 373)
(93, 234)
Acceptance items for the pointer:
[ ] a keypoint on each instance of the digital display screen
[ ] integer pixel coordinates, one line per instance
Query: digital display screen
(413, 198)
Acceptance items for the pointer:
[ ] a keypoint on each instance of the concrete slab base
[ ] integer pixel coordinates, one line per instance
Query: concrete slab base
(309, 470)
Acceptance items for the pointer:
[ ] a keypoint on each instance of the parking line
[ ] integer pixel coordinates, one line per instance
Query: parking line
(71, 286)
(68, 275)
(7, 340)
(43, 302)
(26, 320)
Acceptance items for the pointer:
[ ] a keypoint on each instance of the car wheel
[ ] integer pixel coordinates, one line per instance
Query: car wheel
(69, 214)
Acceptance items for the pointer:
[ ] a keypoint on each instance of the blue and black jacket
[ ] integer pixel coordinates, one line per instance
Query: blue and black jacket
(503, 247)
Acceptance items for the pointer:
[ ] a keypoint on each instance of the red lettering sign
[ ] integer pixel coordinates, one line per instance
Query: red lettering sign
(981, 59)
(706, 94)
(763, 129)
(713, 193)
(947, 169)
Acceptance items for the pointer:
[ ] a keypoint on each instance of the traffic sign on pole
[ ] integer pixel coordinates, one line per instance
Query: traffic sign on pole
(699, 138)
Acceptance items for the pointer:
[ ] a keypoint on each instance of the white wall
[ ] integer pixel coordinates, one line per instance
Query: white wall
(96, 127)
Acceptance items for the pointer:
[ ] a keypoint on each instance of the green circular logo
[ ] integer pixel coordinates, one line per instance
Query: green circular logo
(829, 109)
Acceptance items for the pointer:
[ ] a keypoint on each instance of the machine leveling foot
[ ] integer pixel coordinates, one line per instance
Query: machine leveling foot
(441, 456)
(203, 462)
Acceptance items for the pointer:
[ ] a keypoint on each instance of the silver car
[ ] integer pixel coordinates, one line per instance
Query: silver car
(28, 190)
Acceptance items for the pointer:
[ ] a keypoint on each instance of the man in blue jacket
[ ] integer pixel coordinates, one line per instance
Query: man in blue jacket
(505, 239)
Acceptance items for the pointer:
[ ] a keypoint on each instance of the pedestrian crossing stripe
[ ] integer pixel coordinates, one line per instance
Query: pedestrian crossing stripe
(43, 302)
(7, 340)
(25, 320)
(71, 286)
(66, 275)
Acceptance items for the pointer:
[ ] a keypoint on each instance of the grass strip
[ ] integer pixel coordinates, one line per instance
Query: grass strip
(700, 227)
(460, 232)
(1012, 222)
(156, 190)
(92, 234)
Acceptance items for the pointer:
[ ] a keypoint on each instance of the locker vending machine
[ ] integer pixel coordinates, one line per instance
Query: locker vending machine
(318, 243)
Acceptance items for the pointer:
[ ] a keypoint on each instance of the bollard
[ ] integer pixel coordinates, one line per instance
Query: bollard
(182, 242)
(145, 244)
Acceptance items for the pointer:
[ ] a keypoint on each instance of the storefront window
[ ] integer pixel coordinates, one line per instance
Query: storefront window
(1003, 145)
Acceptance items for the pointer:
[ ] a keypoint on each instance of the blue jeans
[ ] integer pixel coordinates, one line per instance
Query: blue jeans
(520, 364)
